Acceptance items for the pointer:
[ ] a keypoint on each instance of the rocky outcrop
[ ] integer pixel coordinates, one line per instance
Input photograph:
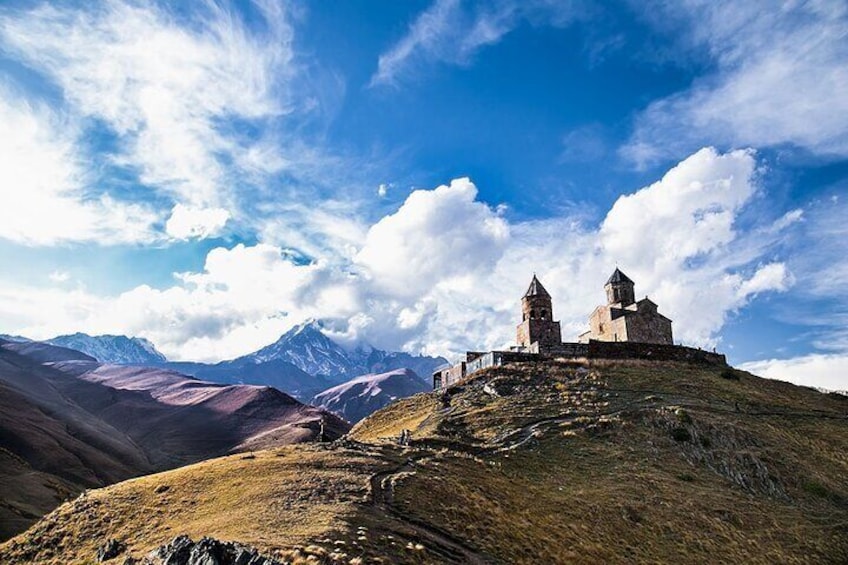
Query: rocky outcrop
(110, 550)
(208, 551)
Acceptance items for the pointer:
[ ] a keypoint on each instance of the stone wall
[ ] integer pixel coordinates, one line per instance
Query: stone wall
(568, 350)
(592, 350)
(648, 326)
(653, 351)
(532, 330)
(603, 327)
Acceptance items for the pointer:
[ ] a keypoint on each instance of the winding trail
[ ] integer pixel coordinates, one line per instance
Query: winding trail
(438, 541)
(454, 550)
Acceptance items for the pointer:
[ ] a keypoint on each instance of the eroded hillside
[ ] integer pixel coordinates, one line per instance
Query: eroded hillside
(557, 462)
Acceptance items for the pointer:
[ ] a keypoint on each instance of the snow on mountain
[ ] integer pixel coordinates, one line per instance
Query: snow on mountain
(359, 397)
(14, 338)
(113, 349)
(306, 347)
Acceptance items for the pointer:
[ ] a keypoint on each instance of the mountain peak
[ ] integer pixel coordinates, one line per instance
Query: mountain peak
(112, 349)
(307, 347)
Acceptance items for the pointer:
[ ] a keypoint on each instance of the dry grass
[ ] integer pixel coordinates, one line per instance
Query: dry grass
(274, 500)
(406, 414)
(632, 462)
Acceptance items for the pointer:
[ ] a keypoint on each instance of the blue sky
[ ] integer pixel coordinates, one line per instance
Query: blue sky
(208, 175)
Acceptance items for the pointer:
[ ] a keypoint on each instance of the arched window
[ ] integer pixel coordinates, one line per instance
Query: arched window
(544, 313)
(532, 314)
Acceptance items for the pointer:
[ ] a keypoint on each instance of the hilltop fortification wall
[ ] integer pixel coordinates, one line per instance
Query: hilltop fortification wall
(477, 360)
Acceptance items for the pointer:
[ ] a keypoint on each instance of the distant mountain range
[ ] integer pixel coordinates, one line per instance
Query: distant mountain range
(68, 422)
(303, 362)
(359, 397)
(114, 349)
(306, 347)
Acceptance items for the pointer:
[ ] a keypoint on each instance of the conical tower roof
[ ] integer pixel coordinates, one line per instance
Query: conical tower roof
(619, 277)
(536, 289)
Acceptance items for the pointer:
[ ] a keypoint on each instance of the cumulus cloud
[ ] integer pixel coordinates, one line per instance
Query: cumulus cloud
(445, 273)
(43, 184)
(187, 223)
(779, 78)
(436, 235)
(826, 371)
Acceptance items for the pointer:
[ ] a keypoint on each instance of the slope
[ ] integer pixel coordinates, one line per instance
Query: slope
(70, 423)
(624, 462)
(359, 397)
(51, 448)
(277, 373)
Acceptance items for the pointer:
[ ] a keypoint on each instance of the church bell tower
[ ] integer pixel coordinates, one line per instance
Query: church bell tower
(620, 289)
(537, 319)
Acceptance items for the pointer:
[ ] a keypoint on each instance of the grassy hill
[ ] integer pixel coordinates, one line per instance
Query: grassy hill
(616, 462)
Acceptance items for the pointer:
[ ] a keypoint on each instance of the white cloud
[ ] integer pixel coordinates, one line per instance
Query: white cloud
(448, 32)
(445, 272)
(59, 276)
(166, 86)
(187, 223)
(43, 184)
(780, 77)
(827, 371)
(773, 276)
(435, 236)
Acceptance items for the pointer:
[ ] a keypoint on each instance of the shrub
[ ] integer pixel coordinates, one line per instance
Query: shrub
(816, 488)
(680, 434)
(683, 416)
(729, 374)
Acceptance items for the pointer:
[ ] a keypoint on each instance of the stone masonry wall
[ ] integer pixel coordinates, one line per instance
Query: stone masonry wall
(653, 351)
(647, 327)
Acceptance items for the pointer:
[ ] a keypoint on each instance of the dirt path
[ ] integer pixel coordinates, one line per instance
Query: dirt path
(515, 438)
(436, 540)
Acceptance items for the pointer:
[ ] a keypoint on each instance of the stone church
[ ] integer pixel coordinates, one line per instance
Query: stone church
(623, 318)
(624, 328)
(537, 320)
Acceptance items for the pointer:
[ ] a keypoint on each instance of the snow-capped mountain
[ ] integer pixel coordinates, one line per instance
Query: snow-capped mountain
(14, 338)
(306, 347)
(112, 349)
(359, 397)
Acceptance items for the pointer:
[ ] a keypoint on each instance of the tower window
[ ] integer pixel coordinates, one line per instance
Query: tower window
(532, 314)
(543, 314)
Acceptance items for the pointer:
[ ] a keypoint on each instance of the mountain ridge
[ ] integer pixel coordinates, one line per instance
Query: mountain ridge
(69, 423)
(112, 349)
(303, 361)
(357, 398)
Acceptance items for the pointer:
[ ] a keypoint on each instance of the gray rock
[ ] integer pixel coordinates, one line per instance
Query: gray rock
(208, 551)
(109, 550)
